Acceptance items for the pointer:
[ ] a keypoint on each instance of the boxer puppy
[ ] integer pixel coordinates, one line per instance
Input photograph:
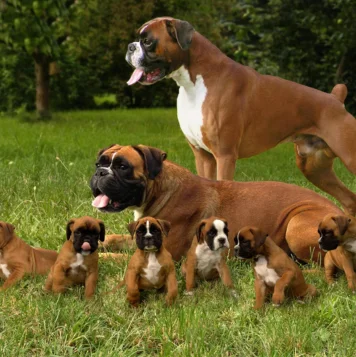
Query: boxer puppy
(77, 261)
(17, 258)
(274, 271)
(338, 237)
(139, 177)
(151, 266)
(206, 258)
(228, 111)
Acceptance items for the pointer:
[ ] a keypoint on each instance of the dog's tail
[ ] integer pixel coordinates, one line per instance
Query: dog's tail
(340, 92)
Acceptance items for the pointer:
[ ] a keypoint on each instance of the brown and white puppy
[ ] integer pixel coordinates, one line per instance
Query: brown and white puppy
(228, 111)
(151, 266)
(338, 237)
(77, 261)
(139, 178)
(206, 258)
(17, 258)
(274, 271)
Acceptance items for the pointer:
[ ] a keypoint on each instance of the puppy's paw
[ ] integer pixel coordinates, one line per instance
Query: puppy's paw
(189, 293)
(234, 294)
(276, 305)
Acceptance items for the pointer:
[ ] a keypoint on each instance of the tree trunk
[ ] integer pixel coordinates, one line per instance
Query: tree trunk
(42, 85)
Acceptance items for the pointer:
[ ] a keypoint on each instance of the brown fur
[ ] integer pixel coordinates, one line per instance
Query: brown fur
(62, 275)
(135, 275)
(291, 279)
(189, 266)
(344, 228)
(20, 257)
(246, 113)
(184, 199)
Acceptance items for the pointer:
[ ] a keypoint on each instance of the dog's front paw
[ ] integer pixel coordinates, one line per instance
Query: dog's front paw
(276, 305)
(234, 294)
(189, 293)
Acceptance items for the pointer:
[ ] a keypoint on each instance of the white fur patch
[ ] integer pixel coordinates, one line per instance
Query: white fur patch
(207, 259)
(220, 225)
(189, 106)
(79, 262)
(153, 268)
(5, 270)
(136, 57)
(148, 233)
(350, 245)
(269, 276)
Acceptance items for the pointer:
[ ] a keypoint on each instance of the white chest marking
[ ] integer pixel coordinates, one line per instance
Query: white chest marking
(189, 106)
(5, 270)
(269, 276)
(153, 268)
(79, 262)
(207, 260)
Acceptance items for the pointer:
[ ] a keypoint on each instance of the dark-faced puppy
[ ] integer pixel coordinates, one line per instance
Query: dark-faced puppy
(77, 261)
(338, 237)
(274, 271)
(17, 258)
(206, 258)
(151, 266)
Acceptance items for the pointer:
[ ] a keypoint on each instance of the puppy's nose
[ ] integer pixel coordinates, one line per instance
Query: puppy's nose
(101, 172)
(222, 240)
(132, 47)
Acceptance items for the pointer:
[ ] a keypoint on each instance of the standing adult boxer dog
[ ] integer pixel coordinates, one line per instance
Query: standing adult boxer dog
(228, 111)
(138, 177)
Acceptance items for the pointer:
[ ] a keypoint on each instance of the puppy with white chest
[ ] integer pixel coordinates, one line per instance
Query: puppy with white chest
(206, 258)
(151, 266)
(77, 261)
(274, 271)
(338, 238)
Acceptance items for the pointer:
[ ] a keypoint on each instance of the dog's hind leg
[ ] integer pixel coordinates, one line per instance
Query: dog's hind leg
(315, 160)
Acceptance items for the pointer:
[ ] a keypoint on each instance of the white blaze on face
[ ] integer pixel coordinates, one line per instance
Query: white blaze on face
(220, 235)
(148, 233)
(237, 246)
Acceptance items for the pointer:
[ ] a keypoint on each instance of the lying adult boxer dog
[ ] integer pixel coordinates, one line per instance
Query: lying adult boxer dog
(77, 262)
(151, 266)
(138, 177)
(206, 258)
(17, 258)
(228, 111)
(274, 271)
(338, 237)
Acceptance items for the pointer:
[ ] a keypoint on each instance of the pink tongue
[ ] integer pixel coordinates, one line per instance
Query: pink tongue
(135, 76)
(100, 201)
(86, 246)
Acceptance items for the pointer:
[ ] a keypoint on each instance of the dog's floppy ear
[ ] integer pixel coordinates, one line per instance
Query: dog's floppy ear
(259, 236)
(165, 226)
(69, 228)
(153, 159)
(8, 230)
(199, 229)
(103, 150)
(132, 228)
(342, 223)
(102, 230)
(181, 31)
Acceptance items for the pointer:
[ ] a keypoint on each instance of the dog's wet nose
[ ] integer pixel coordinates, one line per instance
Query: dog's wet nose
(102, 172)
(132, 47)
(222, 241)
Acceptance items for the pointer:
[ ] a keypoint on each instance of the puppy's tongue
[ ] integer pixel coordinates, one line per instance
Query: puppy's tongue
(135, 76)
(100, 201)
(86, 246)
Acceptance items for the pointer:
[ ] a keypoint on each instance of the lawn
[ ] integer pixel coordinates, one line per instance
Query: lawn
(45, 170)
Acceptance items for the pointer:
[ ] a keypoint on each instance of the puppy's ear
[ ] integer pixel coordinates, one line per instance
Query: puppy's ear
(69, 228)
(165, 226)
(260, 237)
(132, 228)
(102, 230)
(103, 150)
(181, 31)
(153, 159)
(199, 232)
(342, 223)
(8, 229)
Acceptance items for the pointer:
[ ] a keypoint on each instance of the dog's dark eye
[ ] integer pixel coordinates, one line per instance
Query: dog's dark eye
(226, 231)
(123, 167)
(235, 240)
(147, 42)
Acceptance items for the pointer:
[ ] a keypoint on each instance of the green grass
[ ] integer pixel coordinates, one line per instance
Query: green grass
(45, 169)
